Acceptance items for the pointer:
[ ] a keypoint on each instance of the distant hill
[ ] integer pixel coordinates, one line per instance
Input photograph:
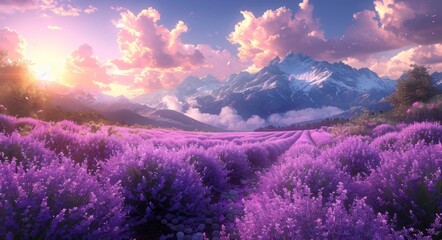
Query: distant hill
(122, 110)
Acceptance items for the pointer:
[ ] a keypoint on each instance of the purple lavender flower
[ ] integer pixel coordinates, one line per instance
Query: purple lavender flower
(408, 185)
(353, 156)
(58, 201)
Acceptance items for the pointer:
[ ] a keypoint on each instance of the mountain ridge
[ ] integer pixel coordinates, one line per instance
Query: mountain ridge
(293, 83)
(120, 109)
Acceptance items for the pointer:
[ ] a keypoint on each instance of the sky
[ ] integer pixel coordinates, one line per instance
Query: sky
(126, 47)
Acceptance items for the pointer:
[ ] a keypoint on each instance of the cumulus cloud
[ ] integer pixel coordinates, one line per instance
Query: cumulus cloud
(118, 9)
(413, 20)
(66, 10)
(279, 31)
(10, 6)
(91, 9)
(159, 57)
(54, 27)
(158, 46)
(395, 66)
(83, 69)
(427, 55)
(58, 7)
(276, 32)
(12, 43)
(303, 115)
(228, 118)
(393, 25)
(363, 38)
(173, 103)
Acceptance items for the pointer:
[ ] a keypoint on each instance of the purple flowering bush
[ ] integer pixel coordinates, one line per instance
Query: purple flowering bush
(299, 215)
(321, 138)
(236, 162)
(258, 156)
(63, 180)
(58, 201)
(58, 140)
(82, 147)
(157, 188)
(96, 148)
(354, 156)
(211, 170)
(319, 176)
(7, 124)
(25, 151)
(387, 142)
(429, 133)
(408, 186)
(298, 150)
(382, 129)
(26, 125)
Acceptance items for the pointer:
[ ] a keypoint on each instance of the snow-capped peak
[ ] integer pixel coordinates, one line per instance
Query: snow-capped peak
(295, 63)
(305, 73)
(295, 82)
(303, 70)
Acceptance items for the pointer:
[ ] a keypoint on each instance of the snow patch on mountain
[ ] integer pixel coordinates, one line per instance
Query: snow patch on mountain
(437, 79)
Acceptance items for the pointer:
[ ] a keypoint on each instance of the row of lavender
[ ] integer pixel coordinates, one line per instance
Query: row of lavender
(384, 186)
(63, 179)
(70, 181)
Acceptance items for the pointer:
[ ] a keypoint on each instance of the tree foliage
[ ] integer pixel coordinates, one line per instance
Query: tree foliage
(19, 94)
(415, 86)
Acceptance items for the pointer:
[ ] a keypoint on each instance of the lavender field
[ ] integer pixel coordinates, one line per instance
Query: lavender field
(67, 181)
(220, 120)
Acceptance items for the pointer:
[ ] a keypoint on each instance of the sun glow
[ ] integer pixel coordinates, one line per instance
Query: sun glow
(44, 74)
(47, 70)
(47, 62)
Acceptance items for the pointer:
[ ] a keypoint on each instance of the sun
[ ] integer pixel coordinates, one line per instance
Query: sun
(46, 64)
(47, 72)
(43, 75)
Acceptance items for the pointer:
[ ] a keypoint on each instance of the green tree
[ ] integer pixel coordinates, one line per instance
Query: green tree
(415, 86)
(18, 90)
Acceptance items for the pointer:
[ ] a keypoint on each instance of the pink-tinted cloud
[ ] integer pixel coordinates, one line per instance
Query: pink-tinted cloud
(276, 32)
(145, 43)
(118, 9)
(394, 24)
(158, 57)
(219, 63)
(416, 21)
(83, 69)
(228, 118)
(54, 27)
(10, 6)
(59, 7)
(12, 43)
(428, 55)
(91, 9)
(363, 38)
(395, 66)
(416, 26)
(66, 10)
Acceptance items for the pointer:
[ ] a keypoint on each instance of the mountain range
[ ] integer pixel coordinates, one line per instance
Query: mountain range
(294, 83)
(122, 110)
